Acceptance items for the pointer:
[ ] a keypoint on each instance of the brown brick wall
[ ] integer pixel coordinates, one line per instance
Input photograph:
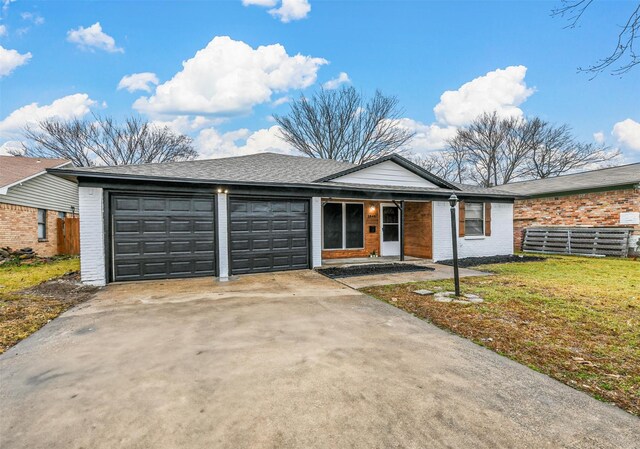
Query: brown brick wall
(587, 209)
(418, 234)
(418, 230)
(19, 229)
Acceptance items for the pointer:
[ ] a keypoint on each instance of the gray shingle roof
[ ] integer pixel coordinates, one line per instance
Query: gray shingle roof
(262, 168)
(258, 168)
(605, 177)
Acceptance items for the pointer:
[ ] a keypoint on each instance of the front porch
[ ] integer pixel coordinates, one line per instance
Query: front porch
(375, 231)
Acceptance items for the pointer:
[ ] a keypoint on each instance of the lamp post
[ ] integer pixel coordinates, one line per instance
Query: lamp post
(453, 200)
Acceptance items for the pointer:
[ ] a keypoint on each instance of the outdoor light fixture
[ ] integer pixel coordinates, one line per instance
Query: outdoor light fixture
(372, 208)
(453, 200)
(219, 190)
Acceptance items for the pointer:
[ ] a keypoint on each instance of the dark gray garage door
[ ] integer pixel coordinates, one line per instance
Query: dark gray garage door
(269, 235)
(159, 237)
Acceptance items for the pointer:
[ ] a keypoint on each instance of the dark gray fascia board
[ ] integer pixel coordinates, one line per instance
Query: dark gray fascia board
(403, 162)
(273, 191)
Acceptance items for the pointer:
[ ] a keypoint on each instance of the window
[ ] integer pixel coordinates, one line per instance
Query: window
(42, 224)
(343, 226)
(474, 219)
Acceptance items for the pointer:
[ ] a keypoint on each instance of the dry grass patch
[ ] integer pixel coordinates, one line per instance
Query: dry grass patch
(32, 295)
(575, 319)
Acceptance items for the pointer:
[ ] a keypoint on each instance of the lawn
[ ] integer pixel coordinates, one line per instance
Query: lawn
(32, 295)
(576, 319)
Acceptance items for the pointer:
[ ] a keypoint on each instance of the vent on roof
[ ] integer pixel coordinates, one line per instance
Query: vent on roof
(578, 241)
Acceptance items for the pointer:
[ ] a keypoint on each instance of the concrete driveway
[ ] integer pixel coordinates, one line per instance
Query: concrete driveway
(278, 361)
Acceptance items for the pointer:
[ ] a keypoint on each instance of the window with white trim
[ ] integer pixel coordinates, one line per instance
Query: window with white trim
(42, 224)
(343, 226)
(473, 219)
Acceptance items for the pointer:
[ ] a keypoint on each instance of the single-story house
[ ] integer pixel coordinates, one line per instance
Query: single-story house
(272, 212)
(608, 197)
(32, 201)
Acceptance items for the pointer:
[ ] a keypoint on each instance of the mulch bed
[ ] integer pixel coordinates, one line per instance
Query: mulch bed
(370, 269)
(488, 260)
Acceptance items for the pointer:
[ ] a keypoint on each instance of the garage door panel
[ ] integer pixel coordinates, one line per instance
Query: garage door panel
(268, 235)
(158, 237)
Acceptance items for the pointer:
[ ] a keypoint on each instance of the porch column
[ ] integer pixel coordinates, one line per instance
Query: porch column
(401, 231)
(316, 232)
(222, 222)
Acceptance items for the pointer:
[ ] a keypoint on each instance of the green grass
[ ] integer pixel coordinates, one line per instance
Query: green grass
(21, 314)
(19, 277)
(574, 318)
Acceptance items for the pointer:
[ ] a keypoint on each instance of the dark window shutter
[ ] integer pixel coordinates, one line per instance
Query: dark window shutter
(461, 218)
(487, 219)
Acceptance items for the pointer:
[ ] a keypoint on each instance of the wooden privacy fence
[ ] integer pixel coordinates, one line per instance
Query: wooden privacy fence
(69, 236)
(579, 241)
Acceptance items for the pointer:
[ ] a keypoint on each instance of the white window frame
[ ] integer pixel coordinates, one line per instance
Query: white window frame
(44, 225)
(344, 225)
(484, 228)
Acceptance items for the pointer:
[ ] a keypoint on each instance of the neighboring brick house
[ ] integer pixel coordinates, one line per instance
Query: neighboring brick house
(31, 201)
(608, 197)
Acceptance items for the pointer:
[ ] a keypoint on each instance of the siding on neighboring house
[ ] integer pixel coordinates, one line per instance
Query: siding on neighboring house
(386, 173)
(44, 192)
(499, 243)
(595, 209)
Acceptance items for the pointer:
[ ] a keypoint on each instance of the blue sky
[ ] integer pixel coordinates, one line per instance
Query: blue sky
(66, 58)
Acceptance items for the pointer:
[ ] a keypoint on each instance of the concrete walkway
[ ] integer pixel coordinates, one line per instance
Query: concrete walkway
(292, 360)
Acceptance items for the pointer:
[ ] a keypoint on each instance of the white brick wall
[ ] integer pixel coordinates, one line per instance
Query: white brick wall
(316, 231)
(92, 265)
(499, 243)
(222, 221)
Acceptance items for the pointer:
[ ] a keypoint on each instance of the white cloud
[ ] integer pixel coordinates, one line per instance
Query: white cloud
(3, 30)
(336, 82)
(281, 101)
(501, 90)
(627, 132)
(598, 137)
(212, 144)
(10, 60)
(427, 137)
(5, 4)
(11, 146)
(266, 3)
(35, 18)
(186, 125)
(92, 38)
(289, 9)
(65, 108)
(138, 81)
(230, 77)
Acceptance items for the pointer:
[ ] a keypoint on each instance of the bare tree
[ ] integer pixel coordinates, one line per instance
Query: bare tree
(341, 125)
(573, 11)
(494, 151)
(103, 141)
(554, 151)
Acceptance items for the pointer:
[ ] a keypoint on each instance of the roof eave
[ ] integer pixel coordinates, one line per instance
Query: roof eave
(69, 174)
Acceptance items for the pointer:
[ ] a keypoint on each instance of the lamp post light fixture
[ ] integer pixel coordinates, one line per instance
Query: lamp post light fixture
(453, 200)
